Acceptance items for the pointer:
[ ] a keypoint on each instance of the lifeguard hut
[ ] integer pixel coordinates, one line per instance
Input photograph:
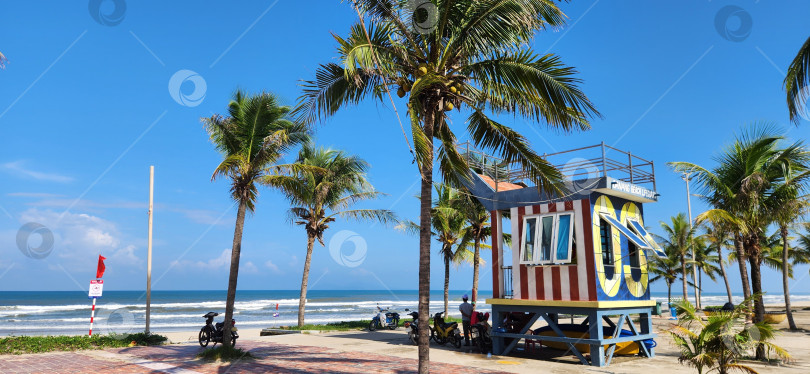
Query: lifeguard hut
(584, 254)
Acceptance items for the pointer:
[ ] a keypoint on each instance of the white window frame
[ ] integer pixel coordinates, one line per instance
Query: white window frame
(538, 235)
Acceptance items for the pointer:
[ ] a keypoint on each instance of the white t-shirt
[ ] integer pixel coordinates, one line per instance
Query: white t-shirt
(465, 308)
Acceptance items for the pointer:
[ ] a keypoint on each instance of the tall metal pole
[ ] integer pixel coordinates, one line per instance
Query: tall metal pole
(149, 255)
(686, 178)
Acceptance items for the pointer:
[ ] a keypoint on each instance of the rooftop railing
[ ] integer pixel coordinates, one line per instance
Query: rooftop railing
(589, 162)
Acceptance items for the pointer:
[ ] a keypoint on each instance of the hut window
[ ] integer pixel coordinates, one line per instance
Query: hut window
(529, 235)
(547, 239)
(546, 236)
(607, 247)
(635, 261)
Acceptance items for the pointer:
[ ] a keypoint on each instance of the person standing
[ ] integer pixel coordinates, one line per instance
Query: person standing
(466, 310)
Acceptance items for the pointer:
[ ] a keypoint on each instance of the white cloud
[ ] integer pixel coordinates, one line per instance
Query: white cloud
(18, 168)
(273, 267)
(81, 236)
(219, 263)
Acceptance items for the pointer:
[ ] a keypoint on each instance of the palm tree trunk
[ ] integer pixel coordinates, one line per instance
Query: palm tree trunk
(756, 286)
(669, 294)
(426, 199)
(696, 283)
(785, 284)
(302, 300)
(738, 246)
(236, 251)
(446, 283)
(684, 277)
(723, 272)
(476, 258)
(698, 287)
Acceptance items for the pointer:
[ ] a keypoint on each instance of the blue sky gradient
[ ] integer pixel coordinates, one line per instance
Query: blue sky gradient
(85, 109)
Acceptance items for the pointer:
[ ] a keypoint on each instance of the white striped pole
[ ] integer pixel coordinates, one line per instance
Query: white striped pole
(92, 314)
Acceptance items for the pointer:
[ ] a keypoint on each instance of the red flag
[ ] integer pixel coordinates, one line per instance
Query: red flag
(101, 267)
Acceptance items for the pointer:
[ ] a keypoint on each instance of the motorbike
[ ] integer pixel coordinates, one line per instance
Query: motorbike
(413, 332)
(213, 333)
(480, 332)
(443, 332)
(384, 319)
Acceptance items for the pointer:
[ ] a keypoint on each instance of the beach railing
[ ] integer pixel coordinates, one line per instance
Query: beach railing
(599, 160)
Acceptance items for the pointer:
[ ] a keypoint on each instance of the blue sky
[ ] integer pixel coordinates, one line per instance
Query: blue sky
(86, 108)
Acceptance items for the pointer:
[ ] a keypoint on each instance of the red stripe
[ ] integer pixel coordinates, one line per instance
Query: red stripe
(569, 205)
(539, 283)
(555, 281)
(573, 282)
(588, 226)
(524, 276)
(496, 250)
(552, 207)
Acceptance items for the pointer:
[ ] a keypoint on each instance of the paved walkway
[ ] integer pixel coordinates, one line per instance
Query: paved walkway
(180, 359)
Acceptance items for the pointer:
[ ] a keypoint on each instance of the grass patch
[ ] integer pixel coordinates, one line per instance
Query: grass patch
(333, 326)
(39, 344)
(224, 353)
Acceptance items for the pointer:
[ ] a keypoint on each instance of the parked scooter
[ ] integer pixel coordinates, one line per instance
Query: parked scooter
(413, 326)
(480, 332)
(384, 319)
(213, 333)
(443, 332)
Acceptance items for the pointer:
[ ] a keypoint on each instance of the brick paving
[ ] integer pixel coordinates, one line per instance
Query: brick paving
(270, 358)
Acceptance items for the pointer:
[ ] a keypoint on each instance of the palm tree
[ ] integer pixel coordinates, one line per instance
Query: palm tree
(716, 234)
(790, 205)
(463, 53)
(722, 341)
(448, 226)
(477, 231)
(797, 82)
(251, 139)
(679, 236)
(741, 190)
(666, 268)
(323, 192)
(704, 262)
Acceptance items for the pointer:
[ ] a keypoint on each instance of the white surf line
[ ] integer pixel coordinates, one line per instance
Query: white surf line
(156, 366)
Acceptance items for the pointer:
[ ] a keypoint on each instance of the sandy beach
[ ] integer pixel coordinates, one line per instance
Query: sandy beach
(396, 344)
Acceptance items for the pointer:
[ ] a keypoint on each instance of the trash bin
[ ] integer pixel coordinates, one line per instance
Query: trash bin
(673, 311)
(657, 309)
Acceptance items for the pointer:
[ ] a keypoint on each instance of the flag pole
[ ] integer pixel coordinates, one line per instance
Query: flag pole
(92, 315)
(149, 255)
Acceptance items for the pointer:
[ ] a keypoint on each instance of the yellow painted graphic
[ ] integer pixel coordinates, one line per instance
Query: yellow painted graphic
(637, 287)
(609, 285)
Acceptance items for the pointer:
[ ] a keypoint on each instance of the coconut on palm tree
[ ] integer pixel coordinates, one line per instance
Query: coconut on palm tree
(251, 138)
(324, 190)
(797, 82)
(472, 55)
(741, 191)
(679, 235)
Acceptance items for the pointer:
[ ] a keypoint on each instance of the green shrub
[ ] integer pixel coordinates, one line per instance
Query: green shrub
(40, 344)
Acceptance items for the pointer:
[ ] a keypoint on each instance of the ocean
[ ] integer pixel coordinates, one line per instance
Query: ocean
(68, 312)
